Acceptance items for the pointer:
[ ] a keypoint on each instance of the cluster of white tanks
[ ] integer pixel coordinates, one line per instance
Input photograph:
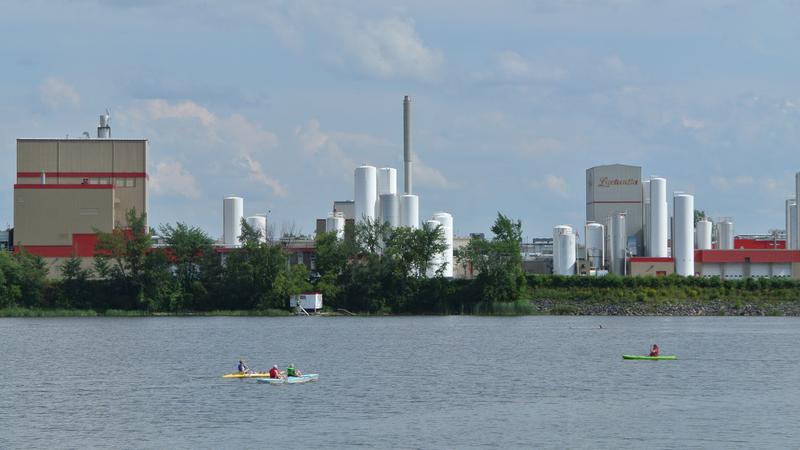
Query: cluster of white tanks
(232, 216)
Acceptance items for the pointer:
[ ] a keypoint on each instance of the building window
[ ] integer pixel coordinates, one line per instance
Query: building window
(120, 182)
(104, 181)
(130, 182)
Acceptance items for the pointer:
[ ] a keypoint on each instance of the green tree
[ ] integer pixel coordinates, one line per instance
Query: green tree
(699, 215)
(32, 278)
(10, 276)
(498, 262)
(188, 246)
(74, 287)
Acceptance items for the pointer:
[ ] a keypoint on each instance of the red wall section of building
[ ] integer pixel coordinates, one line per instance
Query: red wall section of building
(758, 244)
(755, 256)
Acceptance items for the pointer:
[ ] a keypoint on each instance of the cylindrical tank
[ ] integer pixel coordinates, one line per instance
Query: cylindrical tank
(409, 211)
(793, 227)
(791, 223)
(387, 180)
(563, 250)
(446, 219)
(646, 216)
(703, 234)
(258, 223)
(725, 233)
(595, 243)
(335, 222)
(390, 209)
(436, 259)
(797, 214)
(683, 234)
(366, 194)
(620, 243)
(232, 214)
(658, 217)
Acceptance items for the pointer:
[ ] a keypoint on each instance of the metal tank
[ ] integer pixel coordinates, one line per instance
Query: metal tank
(646, 217)
(258, 223)
(104, 126)
(797, 214)
(387, 180)
(791, 224)
(564, 257)
(658, 217)
(335, 222)
(436, 259)
(703, 234)
(725, 233)
(409, 211)
(390, 209)
(595, 244)
(232, 214)
(446, 219)
(683, 234)
(619, 243)
(366, 195)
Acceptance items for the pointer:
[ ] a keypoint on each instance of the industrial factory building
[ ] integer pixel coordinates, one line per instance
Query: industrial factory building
(88, 185)
(614, 189)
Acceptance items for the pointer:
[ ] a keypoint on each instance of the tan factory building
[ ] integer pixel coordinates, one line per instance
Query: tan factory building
(68, 188)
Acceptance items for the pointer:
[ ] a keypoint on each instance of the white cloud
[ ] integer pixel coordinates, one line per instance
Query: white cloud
(551, 183)
(512, 65)
(56, 94)
(726, 183)
(170, 177)
(425, 175)
(390, 49)
(314, 141)
(692, 124)
(234, 133)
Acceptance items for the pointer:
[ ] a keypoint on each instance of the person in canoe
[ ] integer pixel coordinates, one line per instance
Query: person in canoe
(243, 367)
(291, 371)
(275, 373)
(654, 350)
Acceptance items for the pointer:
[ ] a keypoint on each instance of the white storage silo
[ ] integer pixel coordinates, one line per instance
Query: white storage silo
(683, 234)
(725, 233)
(646, 216)
(232, 215)
(387, 180)
(446, 219)
(409, 211)
(390, 209)
(258, 223)
(791, 224)
(797, 214)
(335, 222)
(563, 250)
(703, 234)
(619, 243)
(595, 244)
(658, 217)
(366, 195)
(436, 260)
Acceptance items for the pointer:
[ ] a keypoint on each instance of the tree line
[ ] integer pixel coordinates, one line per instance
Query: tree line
(381, 269)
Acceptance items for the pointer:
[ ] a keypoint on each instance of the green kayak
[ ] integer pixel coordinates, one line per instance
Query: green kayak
(650, 358)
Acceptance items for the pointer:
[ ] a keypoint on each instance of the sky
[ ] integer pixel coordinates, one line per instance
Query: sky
(279, 101)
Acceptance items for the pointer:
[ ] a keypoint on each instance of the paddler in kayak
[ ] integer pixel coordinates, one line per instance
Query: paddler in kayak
(291, 371)
(654, 351)
(275, 373)
(243, 367)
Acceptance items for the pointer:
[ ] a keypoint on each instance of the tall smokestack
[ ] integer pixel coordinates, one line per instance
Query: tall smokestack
(407, 142)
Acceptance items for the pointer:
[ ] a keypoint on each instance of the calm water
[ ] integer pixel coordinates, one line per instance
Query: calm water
(401, 382)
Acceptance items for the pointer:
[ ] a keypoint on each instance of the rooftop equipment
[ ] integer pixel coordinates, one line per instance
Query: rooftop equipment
(725, 233)
(104, 126)
(703, 234)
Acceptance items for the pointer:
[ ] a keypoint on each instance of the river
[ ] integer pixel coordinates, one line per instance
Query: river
(401, 382)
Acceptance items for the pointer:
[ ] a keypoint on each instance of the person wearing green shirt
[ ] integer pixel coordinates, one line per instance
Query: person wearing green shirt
(291, 371)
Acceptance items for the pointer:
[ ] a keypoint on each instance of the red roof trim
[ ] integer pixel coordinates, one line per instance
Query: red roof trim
(63, 186)
(84, 174)
(739, 255)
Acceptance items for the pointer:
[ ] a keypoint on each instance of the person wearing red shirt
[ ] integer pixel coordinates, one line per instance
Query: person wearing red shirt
(654, 350)
(275, 373)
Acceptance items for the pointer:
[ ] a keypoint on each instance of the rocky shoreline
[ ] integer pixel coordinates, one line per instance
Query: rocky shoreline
(677, 308)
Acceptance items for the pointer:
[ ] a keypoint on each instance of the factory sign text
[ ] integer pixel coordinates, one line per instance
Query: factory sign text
(612, 182)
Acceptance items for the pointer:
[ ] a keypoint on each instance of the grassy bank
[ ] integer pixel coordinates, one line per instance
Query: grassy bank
(16, 311)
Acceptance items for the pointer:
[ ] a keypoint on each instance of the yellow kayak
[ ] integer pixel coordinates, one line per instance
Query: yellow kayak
(246, 375)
